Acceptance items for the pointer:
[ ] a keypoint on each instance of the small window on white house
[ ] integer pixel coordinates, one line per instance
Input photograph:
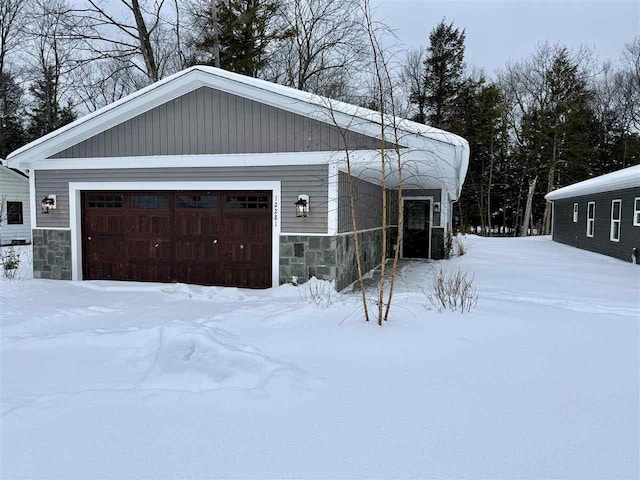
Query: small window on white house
(575, 212)
(616, 213)
(636, 212)
(591, 218)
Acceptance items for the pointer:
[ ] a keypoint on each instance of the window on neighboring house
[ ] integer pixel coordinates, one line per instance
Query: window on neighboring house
(14, 213)
(616, 213)
(636, 212)
(575, 212)
(591, 218)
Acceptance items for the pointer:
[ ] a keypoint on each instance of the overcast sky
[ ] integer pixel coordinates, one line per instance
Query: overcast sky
(500, 30)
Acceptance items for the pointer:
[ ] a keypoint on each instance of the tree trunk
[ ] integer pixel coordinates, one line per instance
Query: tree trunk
(489, 226)
(145, 42)
(527, 212)
(546, 219)
(216, 33)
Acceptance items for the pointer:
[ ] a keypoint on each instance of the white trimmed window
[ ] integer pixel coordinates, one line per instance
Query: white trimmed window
(591, 218)
(616, 213)
(575, 212)
(636, 212)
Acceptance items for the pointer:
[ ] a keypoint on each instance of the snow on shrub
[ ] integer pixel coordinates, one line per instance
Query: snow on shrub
(452, 291)
(10, 260)
(319, 292)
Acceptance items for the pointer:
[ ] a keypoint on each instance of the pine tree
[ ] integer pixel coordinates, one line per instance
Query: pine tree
(47, 114)
(443, 74)
(12, 134)
(244, 33)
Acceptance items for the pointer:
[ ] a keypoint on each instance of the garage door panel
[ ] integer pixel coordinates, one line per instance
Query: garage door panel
(209, 238)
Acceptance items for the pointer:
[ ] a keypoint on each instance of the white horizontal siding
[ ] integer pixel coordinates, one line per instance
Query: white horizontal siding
(14, 188)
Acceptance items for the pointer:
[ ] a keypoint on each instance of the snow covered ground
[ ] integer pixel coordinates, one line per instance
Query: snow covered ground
(122, 380)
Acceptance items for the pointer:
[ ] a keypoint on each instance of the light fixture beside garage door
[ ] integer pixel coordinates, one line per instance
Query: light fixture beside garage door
(302, 206)
(48, 204)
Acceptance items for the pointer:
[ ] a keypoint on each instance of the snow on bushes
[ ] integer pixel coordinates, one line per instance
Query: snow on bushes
(319, 292)
(452, 291)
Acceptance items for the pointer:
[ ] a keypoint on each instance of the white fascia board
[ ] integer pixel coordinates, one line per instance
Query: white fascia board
(99, 121)
(176, 161)
(620, 180)
(33, 205)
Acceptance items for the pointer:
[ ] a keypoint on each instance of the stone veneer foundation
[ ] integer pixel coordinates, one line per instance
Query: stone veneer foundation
(302, 256)
(52, 254)
(328, 257)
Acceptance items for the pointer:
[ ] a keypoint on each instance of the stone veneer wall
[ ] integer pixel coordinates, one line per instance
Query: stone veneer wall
(437, 243)
(52, 254)
(328, 257)
(304, 256)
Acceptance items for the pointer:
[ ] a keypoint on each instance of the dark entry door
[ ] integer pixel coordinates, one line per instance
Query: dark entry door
(203, 237)
(415, 240)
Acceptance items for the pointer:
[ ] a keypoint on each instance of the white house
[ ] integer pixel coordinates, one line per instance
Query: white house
(15, 219)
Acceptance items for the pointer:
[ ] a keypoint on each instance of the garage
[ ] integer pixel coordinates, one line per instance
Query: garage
(203, 237)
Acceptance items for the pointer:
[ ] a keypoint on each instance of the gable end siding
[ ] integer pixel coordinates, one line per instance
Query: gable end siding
(209, 121)
(575, 234)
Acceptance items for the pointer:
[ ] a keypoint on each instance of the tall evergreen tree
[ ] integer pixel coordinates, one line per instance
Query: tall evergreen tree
(244, 31)
(47, 114)
(443, 75)
(12, 134)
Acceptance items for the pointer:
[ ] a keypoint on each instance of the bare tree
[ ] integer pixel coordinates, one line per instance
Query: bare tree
(412, 76)
(51, 51)
(322, 46)
(133, 36)
(11, 23)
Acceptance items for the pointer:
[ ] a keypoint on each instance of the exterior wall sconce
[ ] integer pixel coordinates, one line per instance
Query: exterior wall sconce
(48, 204)
(436, 207)
(302, 206)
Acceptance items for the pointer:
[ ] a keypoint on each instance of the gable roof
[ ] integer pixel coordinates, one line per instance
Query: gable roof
(14, 174)
(413, 135)
(619, 180)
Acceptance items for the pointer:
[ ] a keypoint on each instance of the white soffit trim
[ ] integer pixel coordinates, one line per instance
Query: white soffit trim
(625, 178)
(173, 161)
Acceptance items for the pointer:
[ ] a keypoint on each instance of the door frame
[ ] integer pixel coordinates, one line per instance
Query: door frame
(75, 211)
(430, 198)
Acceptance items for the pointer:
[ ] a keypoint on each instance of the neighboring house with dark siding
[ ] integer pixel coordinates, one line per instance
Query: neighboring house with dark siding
(195, 179)
(601, 214)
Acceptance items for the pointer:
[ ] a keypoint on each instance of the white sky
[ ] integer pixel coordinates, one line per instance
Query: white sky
(498, 30)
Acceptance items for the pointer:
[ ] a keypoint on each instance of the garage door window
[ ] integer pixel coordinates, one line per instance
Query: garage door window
(149, 201)
(247, 201)
(105, 201)
(197, 201)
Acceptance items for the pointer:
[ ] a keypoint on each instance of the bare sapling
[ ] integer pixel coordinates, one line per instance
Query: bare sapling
(352, 205)
(376, 54)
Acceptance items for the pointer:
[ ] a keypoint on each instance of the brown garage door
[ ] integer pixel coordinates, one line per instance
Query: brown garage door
(208, 238)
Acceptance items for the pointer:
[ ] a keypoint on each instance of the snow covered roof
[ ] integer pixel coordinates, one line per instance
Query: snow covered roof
(453, 160)
(625, 178)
